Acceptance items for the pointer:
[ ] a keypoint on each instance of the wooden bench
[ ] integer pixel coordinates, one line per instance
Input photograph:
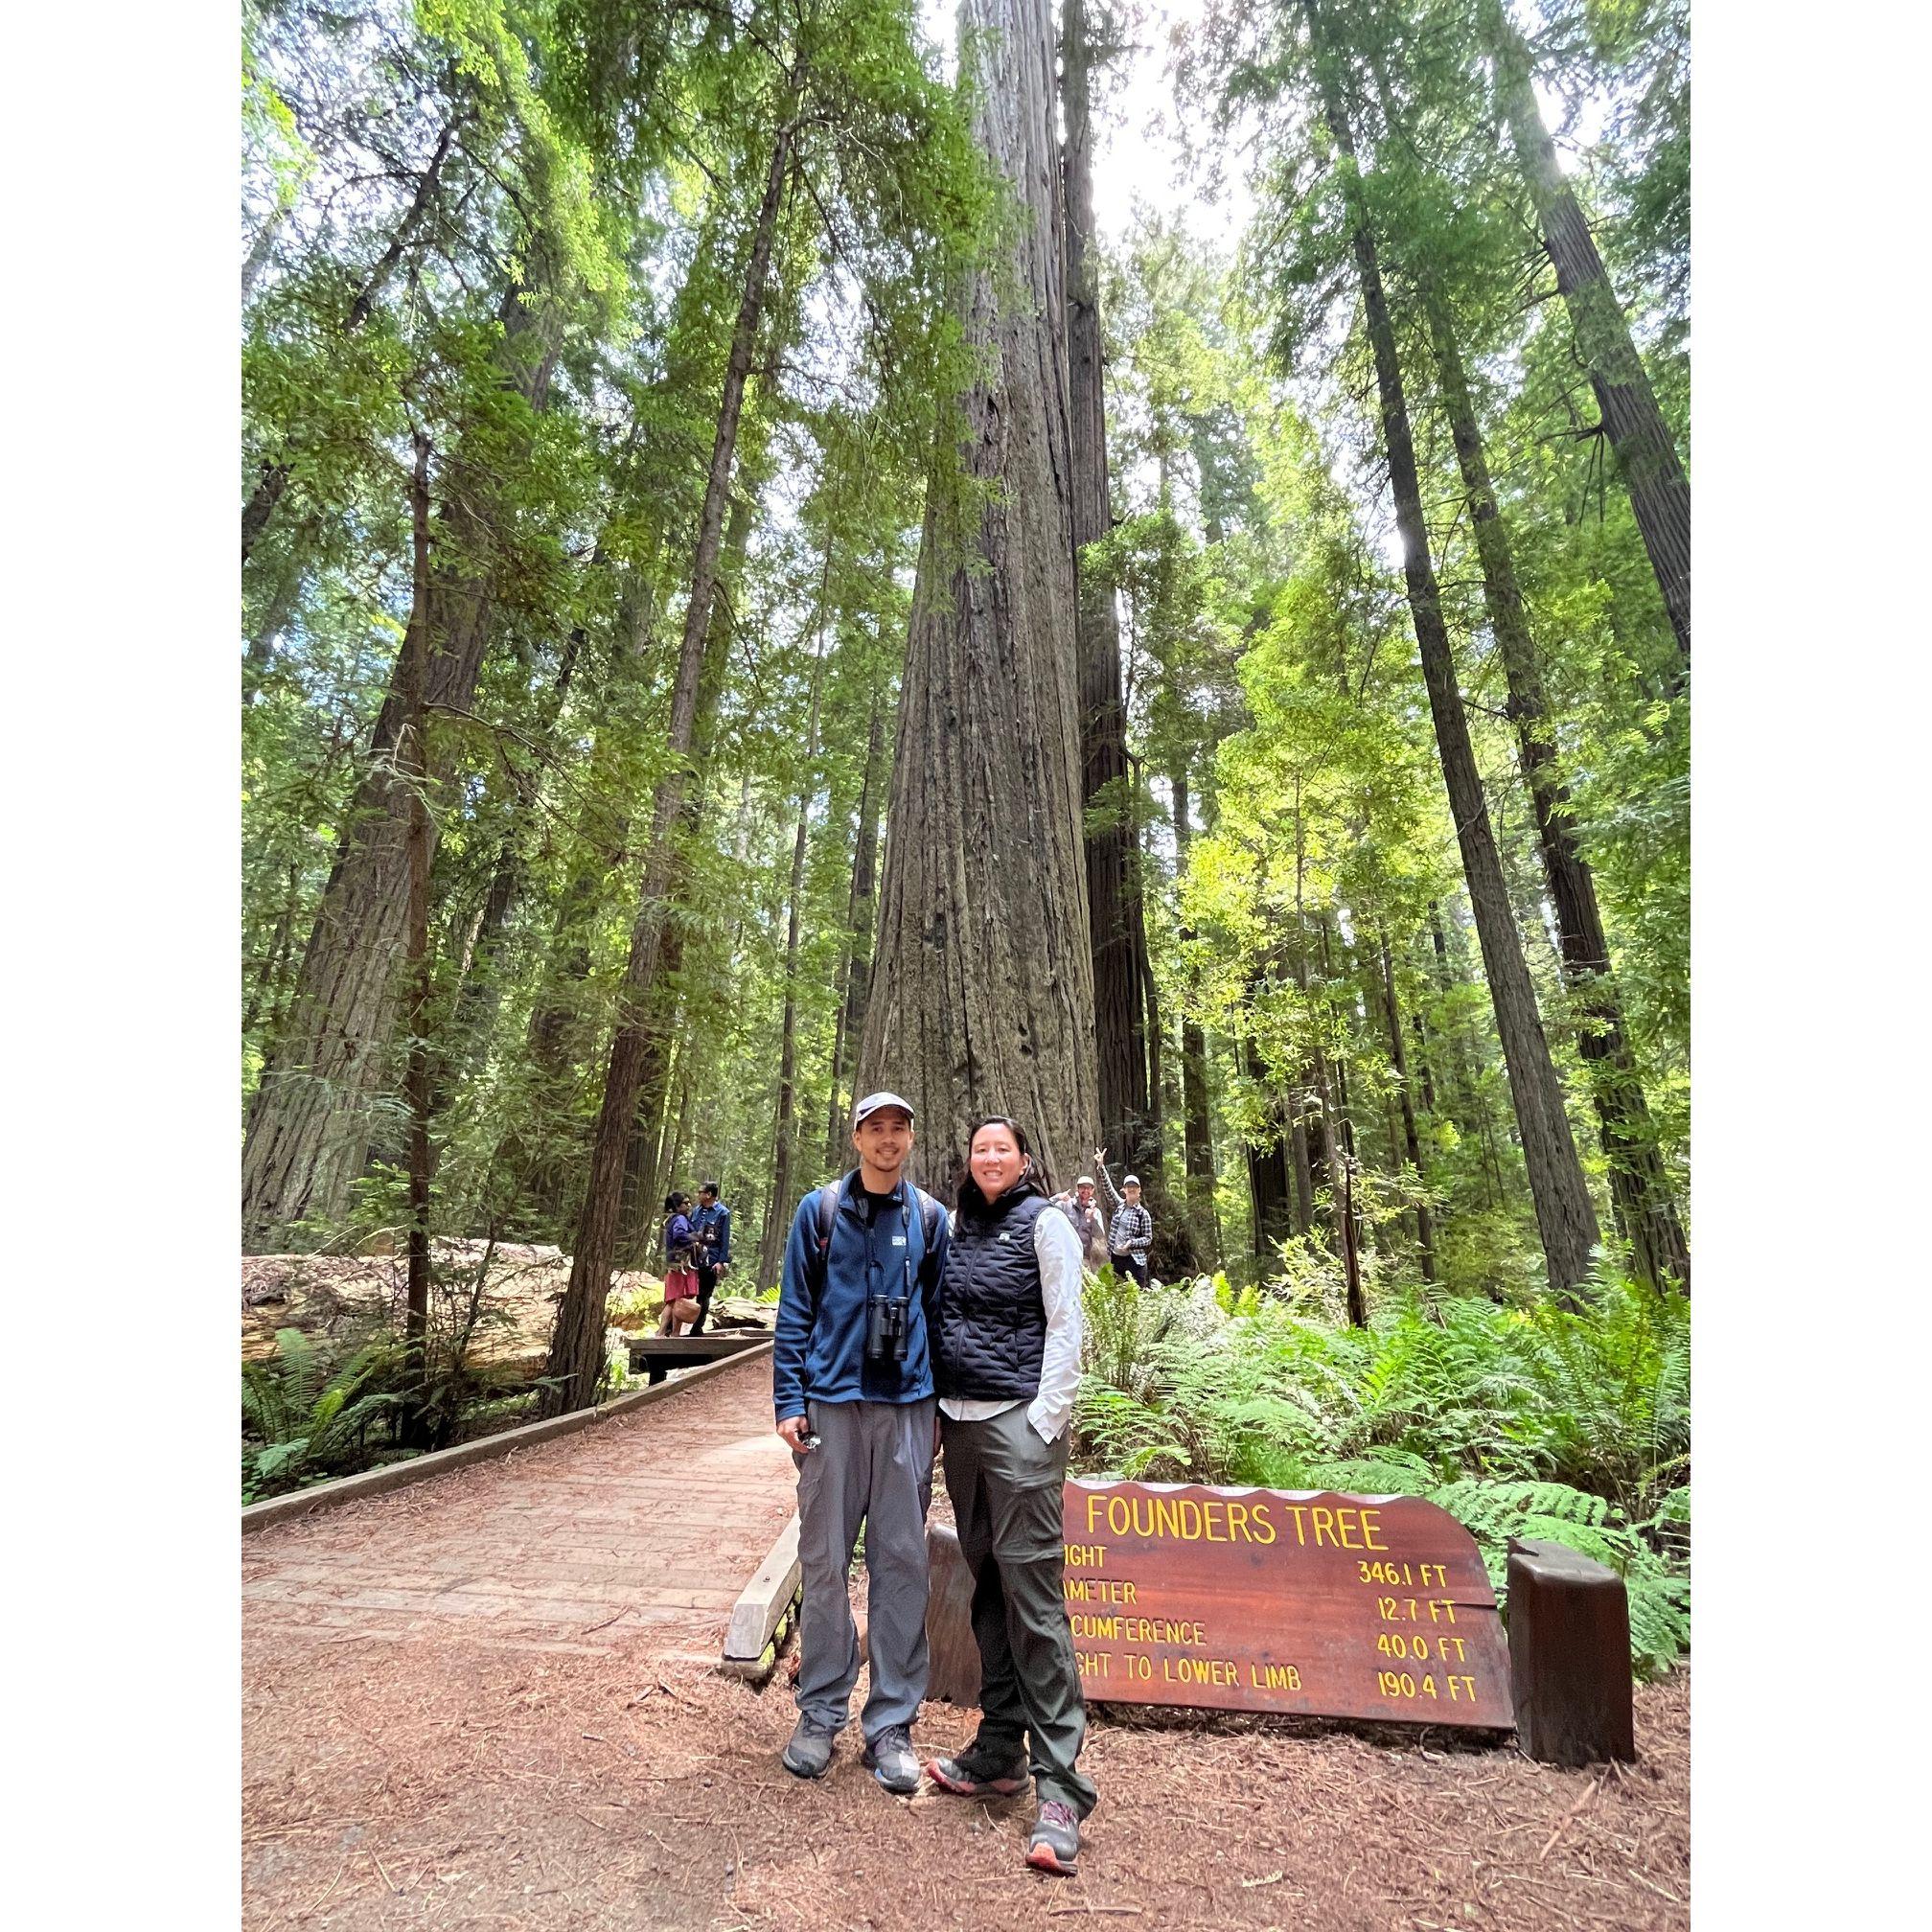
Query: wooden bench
(658, 1355)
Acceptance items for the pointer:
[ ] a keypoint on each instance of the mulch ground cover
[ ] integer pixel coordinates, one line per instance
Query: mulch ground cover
(393, 1784)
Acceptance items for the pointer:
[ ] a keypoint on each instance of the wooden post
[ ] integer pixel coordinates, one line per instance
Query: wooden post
(1569, 1656)
(954, 1676)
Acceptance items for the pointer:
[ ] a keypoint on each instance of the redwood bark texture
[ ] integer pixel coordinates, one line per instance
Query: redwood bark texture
(1565, 1216)
(1660, 492)
(982, 995)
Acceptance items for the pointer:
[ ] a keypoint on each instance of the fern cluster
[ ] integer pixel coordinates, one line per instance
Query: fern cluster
(1573, 1427)
(305, 1412)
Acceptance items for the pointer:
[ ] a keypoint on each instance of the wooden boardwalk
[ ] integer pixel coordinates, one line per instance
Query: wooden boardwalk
(442, 1680)
(651, 1521)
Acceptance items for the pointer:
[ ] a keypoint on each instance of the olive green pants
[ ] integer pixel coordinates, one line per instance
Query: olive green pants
(1006, 1487)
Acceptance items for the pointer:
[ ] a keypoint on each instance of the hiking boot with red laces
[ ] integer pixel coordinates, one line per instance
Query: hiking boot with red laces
(975, 1774)
(1055, 1843)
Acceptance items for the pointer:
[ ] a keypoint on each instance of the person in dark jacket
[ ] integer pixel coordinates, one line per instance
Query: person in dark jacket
(1006, 1368)
(712, 1226)
(852, 1387)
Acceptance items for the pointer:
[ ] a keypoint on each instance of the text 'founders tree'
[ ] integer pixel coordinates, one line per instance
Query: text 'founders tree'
(982, 995)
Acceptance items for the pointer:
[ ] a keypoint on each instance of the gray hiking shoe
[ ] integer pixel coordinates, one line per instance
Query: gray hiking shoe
(810, 1750)
(890, 1758)
(1055, 1843)
(974, 1774)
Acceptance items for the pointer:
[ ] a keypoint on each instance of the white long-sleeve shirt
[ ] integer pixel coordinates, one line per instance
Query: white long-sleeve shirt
(1057, 1249)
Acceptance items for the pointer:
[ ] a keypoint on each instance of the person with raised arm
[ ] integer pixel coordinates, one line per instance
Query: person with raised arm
(1130, 1234)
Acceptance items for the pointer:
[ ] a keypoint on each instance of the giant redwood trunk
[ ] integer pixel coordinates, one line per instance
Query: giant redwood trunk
(309, 1123)
(576, 1357)
(1565, 1216)
(1113, 878)
(1639, 1185)
(982, 995)
(1647, 452)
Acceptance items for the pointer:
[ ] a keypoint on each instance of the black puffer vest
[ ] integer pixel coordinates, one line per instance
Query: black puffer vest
(991, 1314)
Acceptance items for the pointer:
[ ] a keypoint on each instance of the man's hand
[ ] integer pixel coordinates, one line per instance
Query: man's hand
(792, 1432)
(1099, 1157)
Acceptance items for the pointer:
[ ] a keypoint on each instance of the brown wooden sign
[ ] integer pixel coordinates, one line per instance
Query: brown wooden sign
(1273, 1599)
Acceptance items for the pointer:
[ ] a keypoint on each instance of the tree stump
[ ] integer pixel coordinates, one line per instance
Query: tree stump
(1569, 1656)
(954, 1677)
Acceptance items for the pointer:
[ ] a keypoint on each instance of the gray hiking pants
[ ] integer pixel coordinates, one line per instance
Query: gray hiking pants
(1006, 1487)
(874, 1464)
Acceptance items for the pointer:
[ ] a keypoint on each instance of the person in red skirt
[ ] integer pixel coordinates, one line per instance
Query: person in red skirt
(680, 1266)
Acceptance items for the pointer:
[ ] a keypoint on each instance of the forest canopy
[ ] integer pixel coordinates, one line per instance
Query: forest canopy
(734, 544)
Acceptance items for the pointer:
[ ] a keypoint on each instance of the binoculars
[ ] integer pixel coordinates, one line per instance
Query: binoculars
(886, 1321)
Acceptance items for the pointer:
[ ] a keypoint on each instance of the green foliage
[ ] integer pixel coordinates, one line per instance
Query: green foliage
(306, 1412)
(1573, 1427)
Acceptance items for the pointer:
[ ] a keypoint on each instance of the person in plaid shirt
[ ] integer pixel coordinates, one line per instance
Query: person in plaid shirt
(1131, 1231)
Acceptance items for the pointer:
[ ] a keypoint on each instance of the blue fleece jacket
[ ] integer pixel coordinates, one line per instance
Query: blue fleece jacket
(819, 1353)
(712, 1226)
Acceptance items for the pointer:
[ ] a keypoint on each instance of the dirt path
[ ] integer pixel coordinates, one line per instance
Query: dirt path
(489, 1701)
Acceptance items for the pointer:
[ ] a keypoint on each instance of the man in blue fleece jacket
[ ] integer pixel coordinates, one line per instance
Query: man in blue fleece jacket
(852, 1389)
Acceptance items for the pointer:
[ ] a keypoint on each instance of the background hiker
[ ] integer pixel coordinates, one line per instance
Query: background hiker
(681, 1265)
(1131, 1231)
(851, 1386)
(1089, 1224)
(1008, 1366)
(712, 1226)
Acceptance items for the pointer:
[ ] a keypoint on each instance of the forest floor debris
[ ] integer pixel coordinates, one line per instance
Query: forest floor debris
(401, 1767)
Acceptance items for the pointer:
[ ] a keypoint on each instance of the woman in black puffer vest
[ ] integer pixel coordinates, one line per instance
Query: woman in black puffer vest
(1007, 1363)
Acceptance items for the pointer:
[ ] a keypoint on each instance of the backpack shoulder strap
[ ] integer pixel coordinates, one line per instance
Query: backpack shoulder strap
(931, 1214)
(826, 1214)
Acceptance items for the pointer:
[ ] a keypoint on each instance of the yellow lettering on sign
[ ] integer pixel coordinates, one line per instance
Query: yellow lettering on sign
(1345, 1521)
(1371, 1521)
(1263, 1522)
(1298, 1510)
(1324, 1525)
(1215, 1671)
(1273, 1676)
(1086, 1555)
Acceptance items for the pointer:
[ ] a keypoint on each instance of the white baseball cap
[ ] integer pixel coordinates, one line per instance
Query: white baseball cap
(874, 1103)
